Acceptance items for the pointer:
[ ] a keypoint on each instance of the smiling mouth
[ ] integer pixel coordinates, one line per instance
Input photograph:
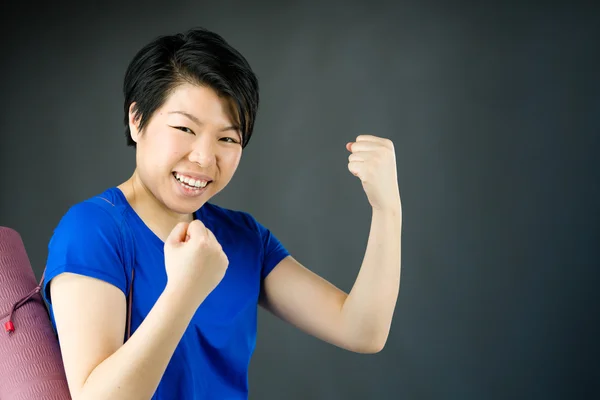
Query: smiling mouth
(190, 183)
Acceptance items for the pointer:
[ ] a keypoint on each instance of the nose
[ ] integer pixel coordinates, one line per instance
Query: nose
(203, 152)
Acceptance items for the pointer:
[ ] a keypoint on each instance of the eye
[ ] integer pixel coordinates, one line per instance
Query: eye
(230, 140)
(184, 129)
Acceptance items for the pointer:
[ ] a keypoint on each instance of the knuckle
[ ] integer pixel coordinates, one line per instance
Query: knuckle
(386, 153)
(197, 224)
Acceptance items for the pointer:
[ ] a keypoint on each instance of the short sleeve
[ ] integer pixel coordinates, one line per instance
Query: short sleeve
(273, 250)
(87, 241)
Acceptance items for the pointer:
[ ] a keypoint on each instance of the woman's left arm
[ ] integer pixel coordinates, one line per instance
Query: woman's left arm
(359, 321)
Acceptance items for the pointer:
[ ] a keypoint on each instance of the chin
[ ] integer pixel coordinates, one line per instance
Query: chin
(187, 207)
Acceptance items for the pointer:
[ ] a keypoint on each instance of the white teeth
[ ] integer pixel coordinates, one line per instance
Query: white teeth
(190, 181)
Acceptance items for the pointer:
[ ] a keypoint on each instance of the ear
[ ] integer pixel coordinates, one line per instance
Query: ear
(134, 121)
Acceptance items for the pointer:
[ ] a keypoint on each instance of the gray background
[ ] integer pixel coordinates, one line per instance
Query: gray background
(495, 114)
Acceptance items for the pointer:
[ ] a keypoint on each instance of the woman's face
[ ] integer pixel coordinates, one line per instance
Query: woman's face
(189, 150)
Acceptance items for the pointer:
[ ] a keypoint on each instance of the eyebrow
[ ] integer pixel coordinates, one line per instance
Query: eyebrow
(198, 122)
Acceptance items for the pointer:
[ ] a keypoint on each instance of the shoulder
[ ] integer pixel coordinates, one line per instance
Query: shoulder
(89, 240)
(103, 212)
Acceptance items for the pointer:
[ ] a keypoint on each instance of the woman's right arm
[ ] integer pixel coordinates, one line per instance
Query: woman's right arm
(90, 320)
(90, 317)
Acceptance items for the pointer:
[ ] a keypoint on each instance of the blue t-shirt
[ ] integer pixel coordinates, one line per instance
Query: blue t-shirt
(211, 360)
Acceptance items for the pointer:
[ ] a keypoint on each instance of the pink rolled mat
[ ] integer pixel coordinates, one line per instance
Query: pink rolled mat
(31, 366)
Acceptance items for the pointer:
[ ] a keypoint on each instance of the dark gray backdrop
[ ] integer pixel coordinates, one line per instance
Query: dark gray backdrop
(494, 111)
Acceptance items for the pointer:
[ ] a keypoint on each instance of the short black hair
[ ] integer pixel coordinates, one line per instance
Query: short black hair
(197, 56)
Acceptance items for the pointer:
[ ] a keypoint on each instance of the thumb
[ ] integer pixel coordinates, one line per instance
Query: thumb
(349, 146)
(178, 234)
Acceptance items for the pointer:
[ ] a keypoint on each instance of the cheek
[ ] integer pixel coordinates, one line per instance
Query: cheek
(233, 160)
(166, 149)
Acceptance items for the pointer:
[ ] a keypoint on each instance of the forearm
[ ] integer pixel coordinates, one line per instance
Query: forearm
(367, 311)
(135, 370)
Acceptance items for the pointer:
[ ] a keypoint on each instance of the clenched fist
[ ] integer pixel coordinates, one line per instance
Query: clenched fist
(194, 260)
(373, 161)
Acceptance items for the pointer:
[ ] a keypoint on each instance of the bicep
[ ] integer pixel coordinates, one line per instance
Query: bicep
(307, 301)
(90, 321)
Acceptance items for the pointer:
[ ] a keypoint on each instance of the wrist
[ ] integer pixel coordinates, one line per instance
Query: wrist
(182, 297)
(391, 210)
(390, 217)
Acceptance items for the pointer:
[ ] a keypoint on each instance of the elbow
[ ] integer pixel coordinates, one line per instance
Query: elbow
(371, 345)
(365, 336)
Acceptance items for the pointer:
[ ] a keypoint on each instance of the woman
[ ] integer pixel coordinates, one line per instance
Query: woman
(200, 269)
